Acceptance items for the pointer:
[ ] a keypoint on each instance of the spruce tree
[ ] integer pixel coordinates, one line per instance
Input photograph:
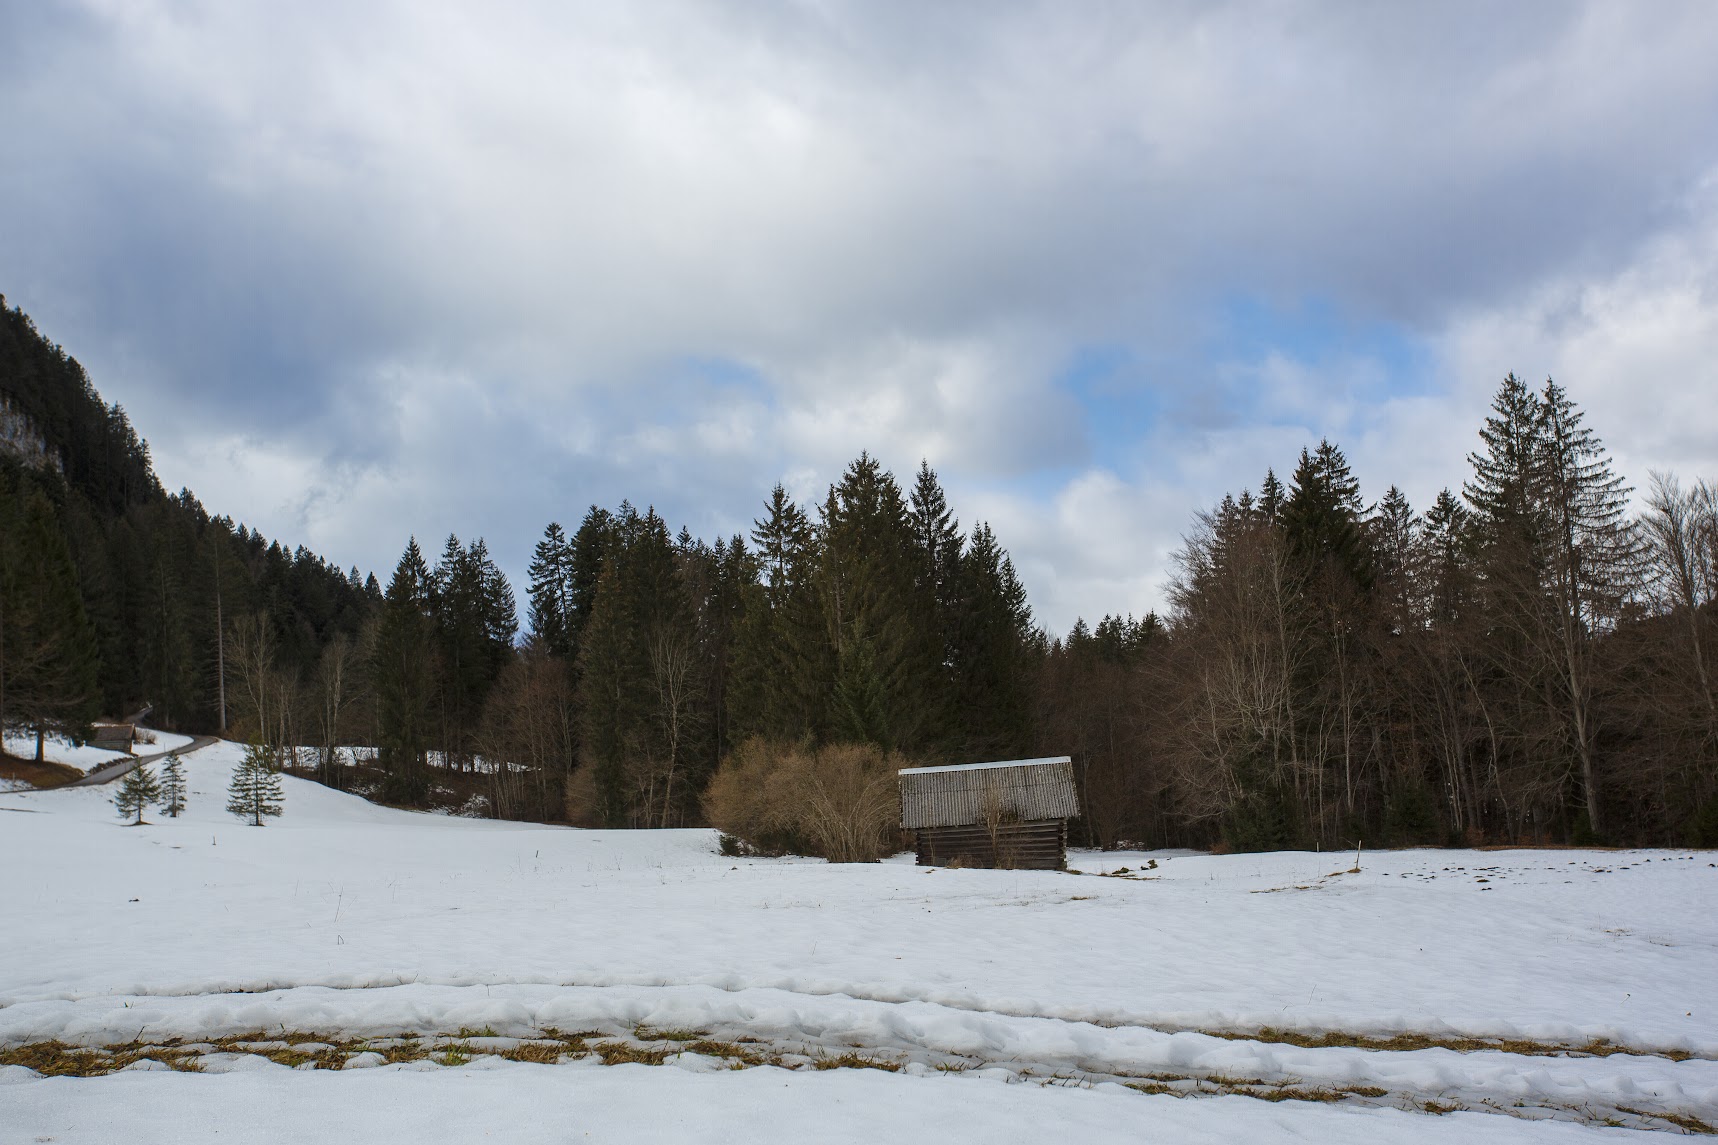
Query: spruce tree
(551, 608)
(1322, 516)
(136, 791)
(1592, 555)
(783, 663)
(937, 600)
(993, 654)
(172, 794)
(886, 686)
(590, 550)
(255, 792)
(48, 650)
(404, 669)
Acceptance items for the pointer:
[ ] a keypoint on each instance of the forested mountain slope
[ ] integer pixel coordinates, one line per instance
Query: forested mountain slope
(157, 578)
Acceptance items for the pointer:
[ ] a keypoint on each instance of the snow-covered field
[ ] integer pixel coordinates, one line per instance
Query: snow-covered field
(1018, 1005)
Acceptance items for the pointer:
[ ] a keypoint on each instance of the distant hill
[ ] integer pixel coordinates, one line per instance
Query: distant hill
(158, 575)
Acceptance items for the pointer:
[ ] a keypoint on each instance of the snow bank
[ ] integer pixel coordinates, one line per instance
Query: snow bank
(638, 1105)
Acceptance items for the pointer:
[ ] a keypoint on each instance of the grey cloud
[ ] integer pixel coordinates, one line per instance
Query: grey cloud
(446, 267)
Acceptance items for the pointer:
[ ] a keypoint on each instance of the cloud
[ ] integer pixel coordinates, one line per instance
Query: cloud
(359, 271)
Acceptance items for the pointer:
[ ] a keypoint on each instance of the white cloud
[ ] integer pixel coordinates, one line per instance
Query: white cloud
(418, 268)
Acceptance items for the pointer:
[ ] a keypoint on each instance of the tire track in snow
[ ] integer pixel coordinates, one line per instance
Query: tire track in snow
(1455, 1039)
(1629, 1089)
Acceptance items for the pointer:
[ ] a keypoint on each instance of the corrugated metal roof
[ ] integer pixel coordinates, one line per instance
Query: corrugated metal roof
(1015, 789)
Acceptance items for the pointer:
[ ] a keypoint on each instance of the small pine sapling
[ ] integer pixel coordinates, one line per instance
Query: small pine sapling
(138, 790)
(172, 786)
(255, 792)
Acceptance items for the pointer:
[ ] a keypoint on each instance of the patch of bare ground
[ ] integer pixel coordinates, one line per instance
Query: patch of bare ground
(643, 1045)
(1597, 1048)
(40, 776)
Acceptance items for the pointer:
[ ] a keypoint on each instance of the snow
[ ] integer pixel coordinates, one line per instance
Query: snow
(57, 749)
(351, 919)
(1041, 761)
(637, 1105)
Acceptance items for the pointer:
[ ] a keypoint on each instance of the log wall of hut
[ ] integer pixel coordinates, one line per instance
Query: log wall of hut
(1040, 845)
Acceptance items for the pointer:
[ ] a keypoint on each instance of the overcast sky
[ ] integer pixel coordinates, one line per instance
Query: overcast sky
(360, 271)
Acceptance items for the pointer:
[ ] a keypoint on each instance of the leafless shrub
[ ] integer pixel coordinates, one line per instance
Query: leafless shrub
(839, 802)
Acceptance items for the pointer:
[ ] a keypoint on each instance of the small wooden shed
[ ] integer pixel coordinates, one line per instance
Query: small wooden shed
(114, 737)
(1012, 813)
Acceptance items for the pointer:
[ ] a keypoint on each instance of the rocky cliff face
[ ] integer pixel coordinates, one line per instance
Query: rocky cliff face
(22, 441)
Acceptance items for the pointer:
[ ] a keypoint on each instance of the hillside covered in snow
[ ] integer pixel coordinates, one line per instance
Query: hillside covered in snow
(489, 970)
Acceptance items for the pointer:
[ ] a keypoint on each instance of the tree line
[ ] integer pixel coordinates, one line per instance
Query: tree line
(116, 595)
(1523, 660)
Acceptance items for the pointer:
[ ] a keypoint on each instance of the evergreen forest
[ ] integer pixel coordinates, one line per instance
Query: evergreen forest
(1528, 659)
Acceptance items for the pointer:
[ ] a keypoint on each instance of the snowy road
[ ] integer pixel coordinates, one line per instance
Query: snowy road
(120, 767)
(350, 922)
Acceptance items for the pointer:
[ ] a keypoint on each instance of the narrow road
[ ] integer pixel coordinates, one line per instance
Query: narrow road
(108, 772)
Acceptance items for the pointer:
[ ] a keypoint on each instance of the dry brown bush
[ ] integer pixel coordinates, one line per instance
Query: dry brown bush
(581, 799)
(840, 802)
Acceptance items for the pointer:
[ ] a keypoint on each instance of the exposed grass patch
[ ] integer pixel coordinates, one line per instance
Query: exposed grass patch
(540, 1053)
(57, 1059)
(485, 1032)
(1400, 1042)
(1291, 1093)
(40, 776)
(854, 1060)
(740, 1056)
(409, 1051)
(1682, 1121)
(646, 1034)
(1153, 1087)
(625, 1053)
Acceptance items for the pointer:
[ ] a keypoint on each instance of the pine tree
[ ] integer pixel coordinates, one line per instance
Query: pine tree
(551, 609)
(783, 663)
(590, 549)
(172, 794)
(256, 792)
(993, 653)
(1271, 497)
(136, 791)
(1395, 546)
(1592, 557)
(887, 684)
(48, 661)
(403, 671)
(937, 600)
(638, 673)
(1322, 516)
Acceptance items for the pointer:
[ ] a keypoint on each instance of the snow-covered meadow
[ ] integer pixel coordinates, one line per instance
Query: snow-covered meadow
(1014, 1003)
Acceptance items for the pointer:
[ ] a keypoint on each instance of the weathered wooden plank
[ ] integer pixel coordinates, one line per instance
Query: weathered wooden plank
(1040, 845)
(977, 793)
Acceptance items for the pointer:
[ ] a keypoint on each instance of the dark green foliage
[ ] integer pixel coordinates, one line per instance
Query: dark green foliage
(159, 577)
(404, 672)
(551, 609)
(172, 793)
(255, 792)
(640, 676)
(888, 686)
(1322, 516)
(475, 619)
(136, 791)
(48, 648)
(994, 653)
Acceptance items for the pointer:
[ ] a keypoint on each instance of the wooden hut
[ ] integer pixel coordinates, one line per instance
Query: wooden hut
(114, 737)
(1012, 813)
